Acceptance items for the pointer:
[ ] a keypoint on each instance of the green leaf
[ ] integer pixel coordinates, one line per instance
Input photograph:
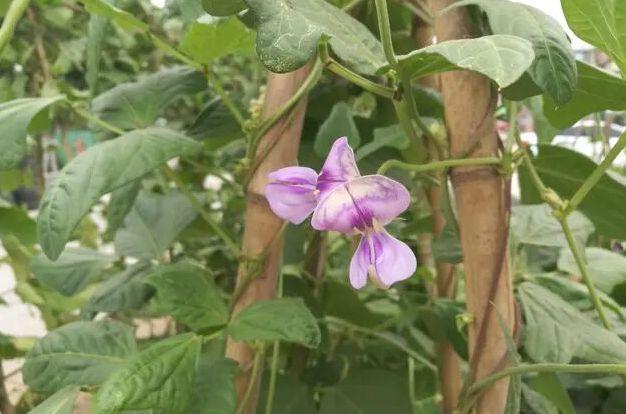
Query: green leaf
(440, 319)
(558, 332)
(79, 353)
(564, 171)
(15, 117)
(535, 224)
(601, 23)
(215, 123)
(126, 20)
(340, 123)
(120, 204)
(100, 170)
(549, 385)
(543, 128)
(150, 227)
(342, 301)
(447, 246)
(367, 391)
(61, 402)
(223, 7)
(537, 403)
(188, 293)
(214, 388)
(289, 31)
(160, 378)
(502, 58)
(284, 319)
(574, 293)
(123, 291)
(15, 221)
(554, 67)
(73, 271)
(596, 91)
(138, 104)
(291, 396)
(210, 38)
(391, 136)
(607, 269)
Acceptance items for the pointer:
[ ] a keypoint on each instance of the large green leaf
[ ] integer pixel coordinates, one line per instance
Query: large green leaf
(100, 170)
(565, 170)
(216, 124)
(15, 117)
(160, 378)
(601, 23)
(286, 319)
(61, 402)
(210, 38)
(96, 36)
(538, 403)
(554, 68)
(535, 225)
(126, 20)
(607, 269)
(502, 58)
(188, 293)
(291, 396)
(73, 271)
(549, 385)
(596, 91)
(289, 30)
(223, 7)
(390, 136)
(214, 388)
(369, 391)
(340, 123)
(80, 353)
(558, 332)
(121, 292)
(151, 227)
(120, 204)
(138, 104)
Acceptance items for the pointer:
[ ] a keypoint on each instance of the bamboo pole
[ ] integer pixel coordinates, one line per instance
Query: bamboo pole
(262, 239)
(483, 201)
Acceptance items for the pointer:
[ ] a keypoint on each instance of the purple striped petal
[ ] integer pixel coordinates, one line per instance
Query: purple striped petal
(339, 166)
(383, 258)
(356, 204)
(291, 193)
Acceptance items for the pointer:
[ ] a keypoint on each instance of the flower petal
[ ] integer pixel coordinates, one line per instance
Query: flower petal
(291, 193)
(359, 265)
(356, 203)
(339, 166)
(393, 260)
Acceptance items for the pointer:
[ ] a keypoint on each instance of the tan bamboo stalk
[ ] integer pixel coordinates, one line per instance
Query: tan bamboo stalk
(262, 234)
(482, 205)
(449, 362)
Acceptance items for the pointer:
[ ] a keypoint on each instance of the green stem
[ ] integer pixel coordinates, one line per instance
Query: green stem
(232, 246)
(597, 174)
(411, 368)
(368, 85)
(582, 266)
(407, 95)
(438, 165)
(269, 122)
(380, 335)
(546, 367)
(164, 46)
(271, 389)
(385, 31)
(11, 18)
(215, 81)
(91, 118)
(256, 367)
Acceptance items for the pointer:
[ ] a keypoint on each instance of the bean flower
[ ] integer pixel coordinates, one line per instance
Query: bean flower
(342, 200)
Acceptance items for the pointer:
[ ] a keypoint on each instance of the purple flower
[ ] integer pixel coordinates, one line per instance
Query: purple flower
(293, 192)
(344, 201)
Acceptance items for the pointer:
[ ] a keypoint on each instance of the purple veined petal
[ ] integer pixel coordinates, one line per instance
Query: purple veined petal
(355, 204)
(359, 265)
(339, 167)
(393, 260)
(291, 193)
